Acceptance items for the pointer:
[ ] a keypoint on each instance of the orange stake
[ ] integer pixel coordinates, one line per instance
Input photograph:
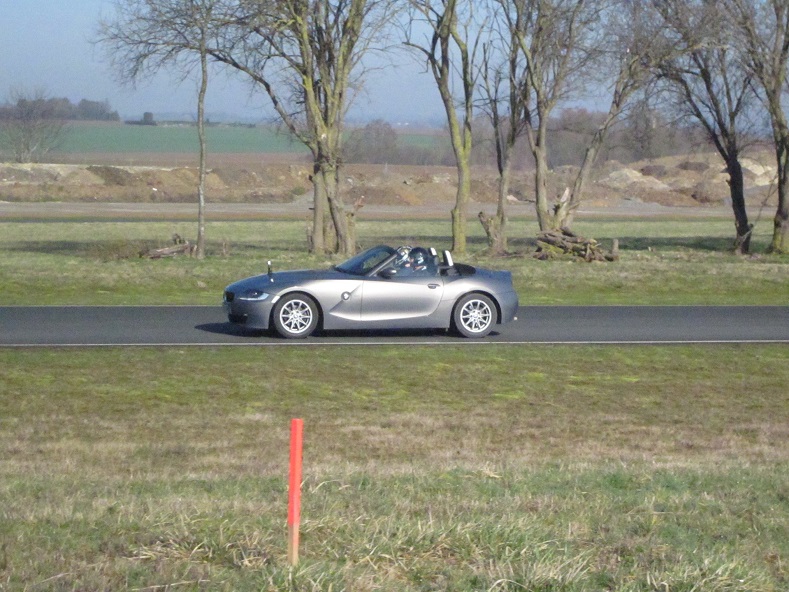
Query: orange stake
(294, 490)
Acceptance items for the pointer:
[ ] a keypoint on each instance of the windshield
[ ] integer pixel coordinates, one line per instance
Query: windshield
(363, 263)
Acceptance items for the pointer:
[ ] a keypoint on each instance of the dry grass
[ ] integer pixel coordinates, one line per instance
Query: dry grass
(516, 406)
(485, 468)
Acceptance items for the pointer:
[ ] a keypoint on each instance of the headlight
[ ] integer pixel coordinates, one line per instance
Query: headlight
(258, 295)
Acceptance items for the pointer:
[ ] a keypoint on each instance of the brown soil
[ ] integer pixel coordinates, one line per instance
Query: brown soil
(696, 181)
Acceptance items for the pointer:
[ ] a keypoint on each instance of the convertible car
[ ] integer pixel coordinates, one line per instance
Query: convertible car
(381, 288)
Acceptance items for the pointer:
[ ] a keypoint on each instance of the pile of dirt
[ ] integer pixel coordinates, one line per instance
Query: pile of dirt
(701, 180)
(675, 181)
(111, 183)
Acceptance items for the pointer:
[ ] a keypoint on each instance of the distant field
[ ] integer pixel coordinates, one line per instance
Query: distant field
(120, 138)
(226, 139)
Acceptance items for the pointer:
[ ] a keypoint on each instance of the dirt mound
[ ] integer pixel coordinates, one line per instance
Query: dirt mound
(37, 174)
(111, 183)
(681, 180)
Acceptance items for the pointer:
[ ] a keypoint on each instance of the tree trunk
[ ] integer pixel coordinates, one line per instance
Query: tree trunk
(492, 227)
(461, 201)
(779, 243)
(346, 243)
(742, 243)
(496, 227)
(498, 244)
(544, 217)
(200, 249)
(319, 208)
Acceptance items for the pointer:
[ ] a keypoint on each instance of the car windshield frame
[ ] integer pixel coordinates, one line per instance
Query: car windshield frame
(366, 262)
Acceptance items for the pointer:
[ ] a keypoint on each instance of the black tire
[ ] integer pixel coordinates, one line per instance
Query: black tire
(474, 316)
(295, 316)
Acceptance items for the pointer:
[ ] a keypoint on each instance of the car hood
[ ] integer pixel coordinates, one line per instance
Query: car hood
(280, 280)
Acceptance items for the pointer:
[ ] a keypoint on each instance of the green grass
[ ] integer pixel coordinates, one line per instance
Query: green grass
(120, 138)
(482, 468)
(96, 262)
(466, 468)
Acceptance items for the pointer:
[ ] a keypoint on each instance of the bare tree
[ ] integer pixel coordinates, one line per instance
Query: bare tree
(763, 28)
(625, 44)
(554, 47)
(31, 127)
(450, 49)
(146, 36)
(307, 56)
(502, 76)
(704, 77)
(555, 38)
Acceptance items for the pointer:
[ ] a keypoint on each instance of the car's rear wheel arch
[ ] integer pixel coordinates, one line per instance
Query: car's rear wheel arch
(492, 298)
(462, 302)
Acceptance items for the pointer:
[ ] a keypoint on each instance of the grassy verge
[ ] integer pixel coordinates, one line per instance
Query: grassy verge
(662, 261)
(491, 468)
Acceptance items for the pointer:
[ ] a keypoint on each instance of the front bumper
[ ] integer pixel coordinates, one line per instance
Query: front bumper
(255, 315)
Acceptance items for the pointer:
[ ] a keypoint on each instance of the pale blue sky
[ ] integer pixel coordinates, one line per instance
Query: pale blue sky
(46, 44)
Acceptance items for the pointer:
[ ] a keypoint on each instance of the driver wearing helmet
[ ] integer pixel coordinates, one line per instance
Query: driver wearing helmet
(417, 259)
(402, 259)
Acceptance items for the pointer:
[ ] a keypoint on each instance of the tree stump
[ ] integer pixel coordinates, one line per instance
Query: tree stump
(492, 228)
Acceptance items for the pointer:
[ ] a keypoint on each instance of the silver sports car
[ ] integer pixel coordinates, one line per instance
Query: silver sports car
(381, 288)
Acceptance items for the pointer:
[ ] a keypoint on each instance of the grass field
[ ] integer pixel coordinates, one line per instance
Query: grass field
(116, 138)
(478, 467)
(662, 262)
(120, 138)
(492, 468)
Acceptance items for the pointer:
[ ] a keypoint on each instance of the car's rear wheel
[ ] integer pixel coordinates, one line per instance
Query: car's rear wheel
(474, 315)
(295, 316)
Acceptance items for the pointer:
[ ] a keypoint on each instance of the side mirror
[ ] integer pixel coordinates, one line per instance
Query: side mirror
(387, 273)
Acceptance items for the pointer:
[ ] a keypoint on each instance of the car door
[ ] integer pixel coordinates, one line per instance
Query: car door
(340, 299)
(401, 297)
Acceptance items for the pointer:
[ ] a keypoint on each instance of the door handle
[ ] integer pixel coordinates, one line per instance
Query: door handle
(433, 286)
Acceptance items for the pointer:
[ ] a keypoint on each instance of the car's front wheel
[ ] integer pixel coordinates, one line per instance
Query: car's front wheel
(295, 316)
(474, 315)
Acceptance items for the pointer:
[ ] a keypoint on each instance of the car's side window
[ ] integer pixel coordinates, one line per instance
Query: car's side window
(375, 260)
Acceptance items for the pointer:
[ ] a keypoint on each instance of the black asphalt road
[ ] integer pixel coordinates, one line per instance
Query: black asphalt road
(207, 325)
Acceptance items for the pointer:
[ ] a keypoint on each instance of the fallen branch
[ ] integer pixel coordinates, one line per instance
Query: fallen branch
(557, 242)
(180, 246)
